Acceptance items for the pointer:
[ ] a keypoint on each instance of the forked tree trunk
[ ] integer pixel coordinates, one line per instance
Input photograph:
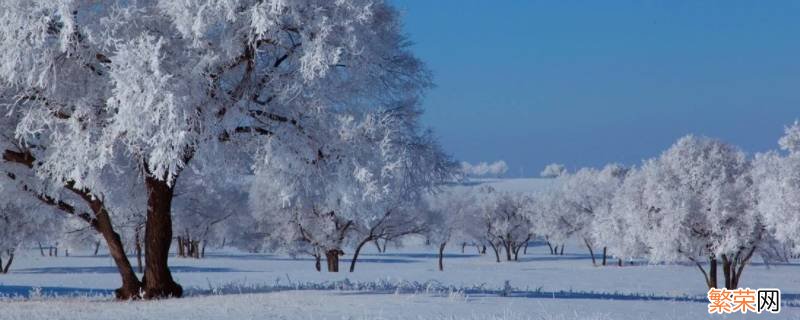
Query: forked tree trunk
(130, 282)
(332, 256)
(158, 282)
(378, 246)
(733, 268)
(355, 253)
(441, 256)
(519, 247)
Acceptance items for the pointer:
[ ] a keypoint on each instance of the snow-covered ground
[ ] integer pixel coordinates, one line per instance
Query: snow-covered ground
(401, 284)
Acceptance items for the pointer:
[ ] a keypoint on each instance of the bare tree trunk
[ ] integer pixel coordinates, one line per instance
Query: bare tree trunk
(50, 251)
(441, 256)
(318, 263)
(195, 249)
(562, 248)
(463, 247)
(41, 249)
(10, 260)
(520, 246)
(130, 282)
(333, 260)
(604, 255)
(591, 252)
(138, 249)
(712, 273)
(726, 270)
(55, 250)
(358, 250)
(496, 253)
(507, 245)
(552, 251)
(483, 249)
(525, 251)
(181, 251)
(619, 263)
(96, 247)
(742, 262)
(378, 246)
(158, 282)
(203, 249)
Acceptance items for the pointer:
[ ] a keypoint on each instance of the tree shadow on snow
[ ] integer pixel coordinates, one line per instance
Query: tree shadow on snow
(565, 257)
(421, 255)
(70, 270)
(477, 293)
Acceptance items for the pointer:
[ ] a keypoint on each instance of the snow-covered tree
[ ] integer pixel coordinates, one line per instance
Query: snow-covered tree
(18, 225)
(365, 180)
(203, 204)
(19, 167)
(778, 189)
(553, 170)
(547, 209)
(698, 205)
(483, 169)
(587, 194)
(617, 228)
(506, 222)
(156, 82)
(456, 218)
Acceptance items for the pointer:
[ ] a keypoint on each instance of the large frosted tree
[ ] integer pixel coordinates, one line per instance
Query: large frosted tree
(778, 189)
(697, 204)
(155, 83)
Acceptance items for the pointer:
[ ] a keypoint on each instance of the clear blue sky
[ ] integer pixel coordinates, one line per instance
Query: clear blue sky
(585, 83)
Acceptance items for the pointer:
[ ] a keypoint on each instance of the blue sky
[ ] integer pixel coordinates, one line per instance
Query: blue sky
(586, 83)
